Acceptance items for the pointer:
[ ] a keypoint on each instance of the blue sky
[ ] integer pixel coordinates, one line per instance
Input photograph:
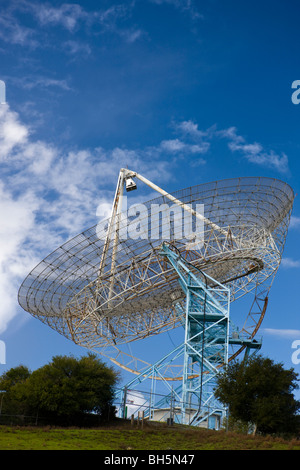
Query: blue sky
(167, 87)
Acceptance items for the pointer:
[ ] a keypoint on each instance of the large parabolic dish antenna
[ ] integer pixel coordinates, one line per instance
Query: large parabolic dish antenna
(109, 286)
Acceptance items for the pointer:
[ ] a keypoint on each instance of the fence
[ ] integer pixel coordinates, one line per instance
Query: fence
(21, 420)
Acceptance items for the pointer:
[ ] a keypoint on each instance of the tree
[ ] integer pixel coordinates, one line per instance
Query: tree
(12, 382)
(260, 392)
(68, 389)
(65, 391)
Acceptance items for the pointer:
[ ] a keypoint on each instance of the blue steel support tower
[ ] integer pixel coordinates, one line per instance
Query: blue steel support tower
(205, 349)
(205, 318)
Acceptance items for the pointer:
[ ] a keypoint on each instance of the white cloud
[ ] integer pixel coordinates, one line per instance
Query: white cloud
(77, 48)
(295, 222)
(190, 128)
(43, 82)
(12, 132)
(14, 33)
(282, 333)
(290, 263)
(176, 145)
(193, 142)
(17, 217)
(40, 157)
(270, 159)
(231, 134)
(132, 35)
(17, 223)
(254, 152)
(71, 17)
(67, 15)
(113, 13)
(48, 195)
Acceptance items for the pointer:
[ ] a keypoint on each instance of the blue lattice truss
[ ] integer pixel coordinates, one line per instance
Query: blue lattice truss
(205, 350)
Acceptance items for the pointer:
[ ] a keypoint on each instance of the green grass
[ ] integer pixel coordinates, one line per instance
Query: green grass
(123, 437)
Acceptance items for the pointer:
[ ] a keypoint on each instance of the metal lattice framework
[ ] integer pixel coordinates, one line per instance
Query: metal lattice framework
(110, 286)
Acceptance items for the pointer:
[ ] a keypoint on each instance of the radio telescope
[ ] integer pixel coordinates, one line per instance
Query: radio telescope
(178, 260)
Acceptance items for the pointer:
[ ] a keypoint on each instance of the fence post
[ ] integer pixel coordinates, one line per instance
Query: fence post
(124, 414)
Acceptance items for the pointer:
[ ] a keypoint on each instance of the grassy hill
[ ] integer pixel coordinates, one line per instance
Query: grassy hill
(123, 437)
